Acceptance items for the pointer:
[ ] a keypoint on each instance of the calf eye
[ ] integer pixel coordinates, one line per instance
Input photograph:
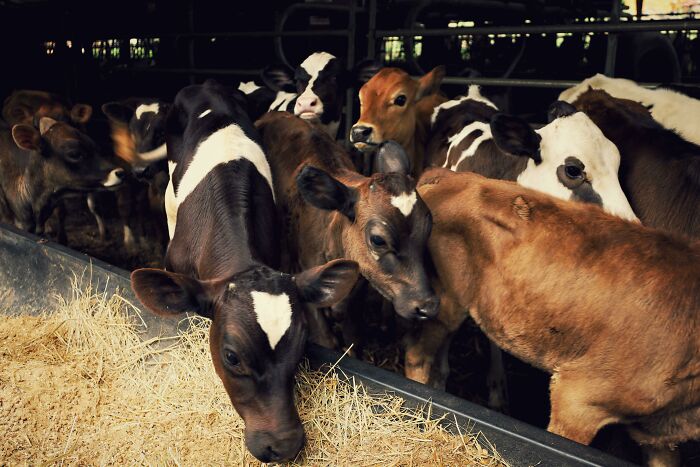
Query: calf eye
(573, 171)
(400, 100)
(231, 358)
(74, 156)
(377, 241)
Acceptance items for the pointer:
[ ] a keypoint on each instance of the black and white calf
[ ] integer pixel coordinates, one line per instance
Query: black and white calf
(314, 91)
(221, 264)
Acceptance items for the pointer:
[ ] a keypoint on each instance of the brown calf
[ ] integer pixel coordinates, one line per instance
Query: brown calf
(659, 170)
(23, 106)
(608, 307)
(331, 211)
(394, 106)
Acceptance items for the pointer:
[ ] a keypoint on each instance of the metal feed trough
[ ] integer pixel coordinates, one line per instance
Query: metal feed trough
(34, 273)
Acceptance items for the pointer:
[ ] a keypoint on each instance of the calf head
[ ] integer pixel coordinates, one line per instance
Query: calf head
(319, 81)
(257, 338)
(70, 160)
(388, 228)
(388, 106)
(29, 106)
(570, 158)
(138, 132)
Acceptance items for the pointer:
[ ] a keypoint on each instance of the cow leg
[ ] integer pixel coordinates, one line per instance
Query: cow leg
(576, 410)
(319, 331)
(92, 206)
(662, 456)
(496, 380)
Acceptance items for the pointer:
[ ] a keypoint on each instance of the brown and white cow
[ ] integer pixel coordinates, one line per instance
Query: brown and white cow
(219, 262)
(331, 211)
(672, 109)
(608, 307)
(659, 170)
(394, 106)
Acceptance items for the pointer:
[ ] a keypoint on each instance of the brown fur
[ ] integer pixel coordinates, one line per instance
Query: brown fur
(609, 307)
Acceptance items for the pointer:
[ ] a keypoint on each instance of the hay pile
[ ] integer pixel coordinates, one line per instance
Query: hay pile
(80, 387)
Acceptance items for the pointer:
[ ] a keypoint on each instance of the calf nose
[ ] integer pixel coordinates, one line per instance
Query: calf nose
(360, 133)
(268, 447)
(120, 174)
(428, 309)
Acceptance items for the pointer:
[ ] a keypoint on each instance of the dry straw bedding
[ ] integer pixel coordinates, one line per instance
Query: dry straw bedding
(81, 387)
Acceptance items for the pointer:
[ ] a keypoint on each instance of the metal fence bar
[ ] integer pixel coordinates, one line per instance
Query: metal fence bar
(627, 26)
(198, 71)
(611, 49)
(516, 82)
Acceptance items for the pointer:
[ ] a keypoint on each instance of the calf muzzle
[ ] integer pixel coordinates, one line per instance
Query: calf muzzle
(360, 134)
(284, 446)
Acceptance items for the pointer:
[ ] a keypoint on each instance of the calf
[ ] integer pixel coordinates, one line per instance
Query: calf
(218, 265)
(40, 165)
(332, 211)
(593, 313)
(659, 170)
(672, 109)
(394, 106)
(314, 91)
(569, 158)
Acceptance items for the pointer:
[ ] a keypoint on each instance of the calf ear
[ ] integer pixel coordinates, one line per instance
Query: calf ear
(170, 294)
(26, 137)
(81, 113)
(118, 112)
(279, 78)
(430, 82)
(391, 157)
(325, 192)
(560, 109)
(328, 284)
(515, 136)
(364, 70)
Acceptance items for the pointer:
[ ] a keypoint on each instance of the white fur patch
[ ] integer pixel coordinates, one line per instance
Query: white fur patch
(282, 100)
(274, 315)
(112, 178)
(170, 201)
(473, 94)
(143, 108)
(154, 154)
(224, 145)
(673, 110)
(577, 136)
(313, 65)
(248, 87)
(205, 113)
(404, 202)
(456, 139)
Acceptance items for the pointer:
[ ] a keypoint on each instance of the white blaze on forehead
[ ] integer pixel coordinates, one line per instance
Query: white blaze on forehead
(282, 100)
(456, 139)
(274, 315)
(143, 108)
(577, 136)
(205, 113)
(404, 202)
(248, 87)
(673, 110)
(474, 94)
(224, 145)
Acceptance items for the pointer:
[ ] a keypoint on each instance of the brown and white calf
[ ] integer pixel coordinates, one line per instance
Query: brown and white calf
(608, 307)
(218, 265)
(672, 109)
(331, 211)
(394, 106)
(38, 166)
(659, 170)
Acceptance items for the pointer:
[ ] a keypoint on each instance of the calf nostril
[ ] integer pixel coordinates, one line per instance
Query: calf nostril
(422, 314)
(273, 454)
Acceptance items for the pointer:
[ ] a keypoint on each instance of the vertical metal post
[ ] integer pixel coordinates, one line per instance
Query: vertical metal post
(190, 40)
(350, 62)
(371, 37)
(611, 53)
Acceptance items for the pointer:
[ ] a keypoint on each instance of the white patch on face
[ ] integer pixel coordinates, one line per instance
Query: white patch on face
(154, 154)
(473, 94)
(282, 100)
(248, 88)
(205, 113)
(577, 136)
(313, 65)
(170, 201)
(404, 202)
(455, 140)
(143, 108)
(673, 110)
(224, 145)
(113, 179)
(274, 315)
